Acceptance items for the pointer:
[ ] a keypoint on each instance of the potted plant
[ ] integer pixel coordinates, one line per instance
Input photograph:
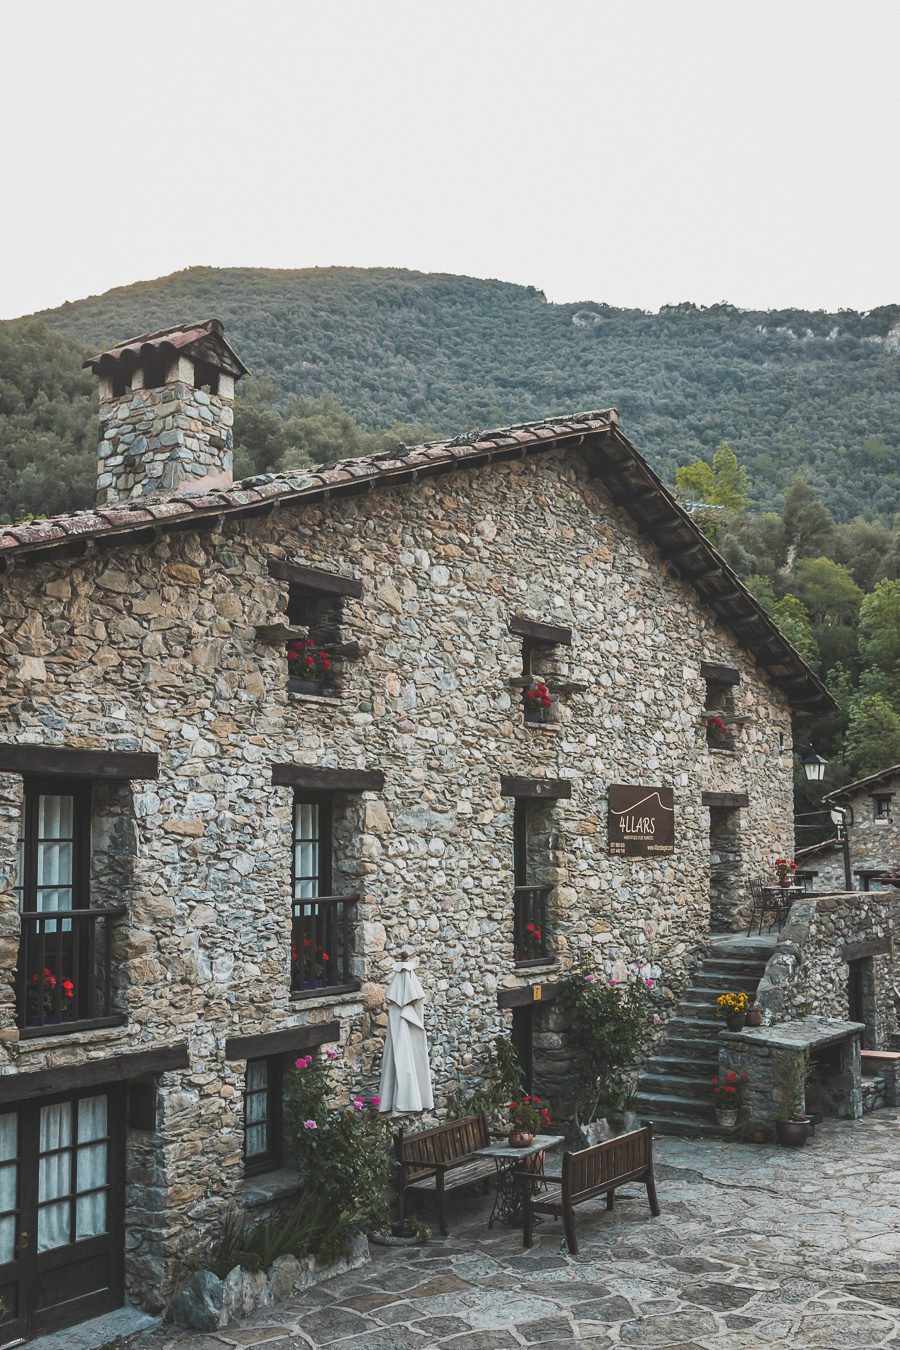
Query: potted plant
(757, 1132)
(727, 1095)
(526, 1118)
(41, 998)
(791, 1069)
(784, 871)
(537, 703)
(733, 1007)
(718, 733)
(754, 1017)
(309, 667)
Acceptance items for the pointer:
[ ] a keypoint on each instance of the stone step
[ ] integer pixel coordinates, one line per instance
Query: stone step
(733, 970)
(682, 1065)
(695, 1085)
(693, 1025)
(673, 1106)
(752, 948)
(692, 1047)
(710, 979)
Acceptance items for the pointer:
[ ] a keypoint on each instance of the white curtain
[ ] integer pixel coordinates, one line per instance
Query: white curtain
(9, 1188)
(55, 856)
(306, 851)
(57, 1185)
(91, 1168)
(55, 1176)
(257, 1141)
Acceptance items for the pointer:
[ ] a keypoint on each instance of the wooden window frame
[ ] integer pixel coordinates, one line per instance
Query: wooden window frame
(273, 1158)
(81, 790)
(342, 906)
(877, 799)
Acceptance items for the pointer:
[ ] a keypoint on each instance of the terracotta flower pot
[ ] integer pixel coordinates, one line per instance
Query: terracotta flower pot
(755, 1017)
(792, 1133)
(520, 1138)
(759, 1137)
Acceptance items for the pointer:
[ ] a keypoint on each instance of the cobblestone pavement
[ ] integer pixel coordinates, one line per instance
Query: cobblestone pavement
(756, 1247)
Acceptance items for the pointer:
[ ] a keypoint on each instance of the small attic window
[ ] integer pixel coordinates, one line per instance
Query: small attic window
(206, 377)
(539, 641)
(121, 383)
(316, 604)
(718, 706)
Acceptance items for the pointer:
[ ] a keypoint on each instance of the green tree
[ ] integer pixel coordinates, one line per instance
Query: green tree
(808, 527)
(879, 628)
(792, 618)
(828, 591)
(723, 483)
(873, 736)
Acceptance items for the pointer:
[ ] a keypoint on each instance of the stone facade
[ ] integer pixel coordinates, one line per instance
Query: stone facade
(161, 647)
(809, 972)
(834, 1085)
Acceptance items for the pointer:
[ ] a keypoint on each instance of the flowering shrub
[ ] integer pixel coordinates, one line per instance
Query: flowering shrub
(607, 1023)
(784, 869)
(537, 701)
(42, 993)
(727, 1091)
(343, 1151)
(307, 661)
(529, 1115)
(732, 1005)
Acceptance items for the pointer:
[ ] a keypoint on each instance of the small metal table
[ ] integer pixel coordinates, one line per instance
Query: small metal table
(508, 1201)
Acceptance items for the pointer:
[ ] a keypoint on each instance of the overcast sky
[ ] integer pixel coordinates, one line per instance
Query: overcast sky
(639, 152)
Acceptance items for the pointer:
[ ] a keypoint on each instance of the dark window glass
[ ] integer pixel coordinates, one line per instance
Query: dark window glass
(262, 1115)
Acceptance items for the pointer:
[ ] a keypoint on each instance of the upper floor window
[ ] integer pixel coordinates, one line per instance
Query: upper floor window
(541, 683)
(315, 606)
(322, 930)
(531, 885)
(719, 705)
(64, 966)
(882, 810)
(262, 1115)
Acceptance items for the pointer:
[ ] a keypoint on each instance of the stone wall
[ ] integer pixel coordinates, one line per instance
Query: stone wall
(832, 1051)
(808, 972)
(167, 439)
(154, 648)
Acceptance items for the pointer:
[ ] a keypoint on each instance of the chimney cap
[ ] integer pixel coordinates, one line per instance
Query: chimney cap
(205, 340)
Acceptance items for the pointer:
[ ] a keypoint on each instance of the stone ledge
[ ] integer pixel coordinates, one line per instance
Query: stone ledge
(99, 1036)
(300, 1002)
(269, 1187)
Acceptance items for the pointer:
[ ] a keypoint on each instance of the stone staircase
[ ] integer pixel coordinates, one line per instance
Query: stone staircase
(674, 1089)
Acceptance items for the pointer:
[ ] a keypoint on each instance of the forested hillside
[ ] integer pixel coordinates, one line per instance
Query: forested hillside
(789, 390)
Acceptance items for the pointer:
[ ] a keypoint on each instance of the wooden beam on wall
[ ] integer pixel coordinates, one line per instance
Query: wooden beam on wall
(327, 780)
(282, 1042)
(73, 762)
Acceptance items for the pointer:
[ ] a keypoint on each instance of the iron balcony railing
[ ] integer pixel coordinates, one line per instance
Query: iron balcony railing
(321, 944)
(64, 971)
(529, 924)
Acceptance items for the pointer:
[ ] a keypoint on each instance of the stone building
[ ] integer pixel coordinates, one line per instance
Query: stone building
(208, 862)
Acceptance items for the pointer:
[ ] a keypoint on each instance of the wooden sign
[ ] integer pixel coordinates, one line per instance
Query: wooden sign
(641, 821)
(536, 992)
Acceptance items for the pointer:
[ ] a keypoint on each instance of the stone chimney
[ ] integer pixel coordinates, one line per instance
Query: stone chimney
(166, 413)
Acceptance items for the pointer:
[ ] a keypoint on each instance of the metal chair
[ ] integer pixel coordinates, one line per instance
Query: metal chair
(763, 904)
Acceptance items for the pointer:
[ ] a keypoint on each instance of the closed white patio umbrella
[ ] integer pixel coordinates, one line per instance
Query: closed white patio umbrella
(405, 1072)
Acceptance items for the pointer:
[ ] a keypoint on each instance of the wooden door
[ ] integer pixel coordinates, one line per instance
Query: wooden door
(61, 1211)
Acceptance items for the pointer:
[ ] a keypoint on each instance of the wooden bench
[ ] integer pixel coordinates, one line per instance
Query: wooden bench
(884, 1063)
(441, 1159)
(588, 1173)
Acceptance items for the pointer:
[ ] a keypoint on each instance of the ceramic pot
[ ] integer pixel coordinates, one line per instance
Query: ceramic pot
(520, 1138)
(759, 1137)
(726, 1120)
(792, 1133)
(735, 1021)
(755, 1017)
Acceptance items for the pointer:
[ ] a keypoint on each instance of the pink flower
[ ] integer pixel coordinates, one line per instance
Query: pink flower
(591, 979)
(359, 1103)
(376, 1101)
(310, 1125)
(649, 983)
(303, 1063)
(612, 981)
(331, 1054)
(656, 1017)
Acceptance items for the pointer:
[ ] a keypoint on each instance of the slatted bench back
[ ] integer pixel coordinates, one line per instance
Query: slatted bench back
(591, 1170)
(447, 1143)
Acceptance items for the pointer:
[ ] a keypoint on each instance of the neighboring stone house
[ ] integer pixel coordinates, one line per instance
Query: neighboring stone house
(231, 860)
(873, 827)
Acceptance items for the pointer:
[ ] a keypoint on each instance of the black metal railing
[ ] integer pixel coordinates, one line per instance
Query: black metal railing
(64, 971)
(529, 924)
(321, 944)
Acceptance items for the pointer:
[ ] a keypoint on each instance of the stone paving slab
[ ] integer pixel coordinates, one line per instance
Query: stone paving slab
(756, 1247)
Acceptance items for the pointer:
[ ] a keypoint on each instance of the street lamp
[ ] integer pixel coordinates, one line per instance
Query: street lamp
(814, 767)
(841, 817)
